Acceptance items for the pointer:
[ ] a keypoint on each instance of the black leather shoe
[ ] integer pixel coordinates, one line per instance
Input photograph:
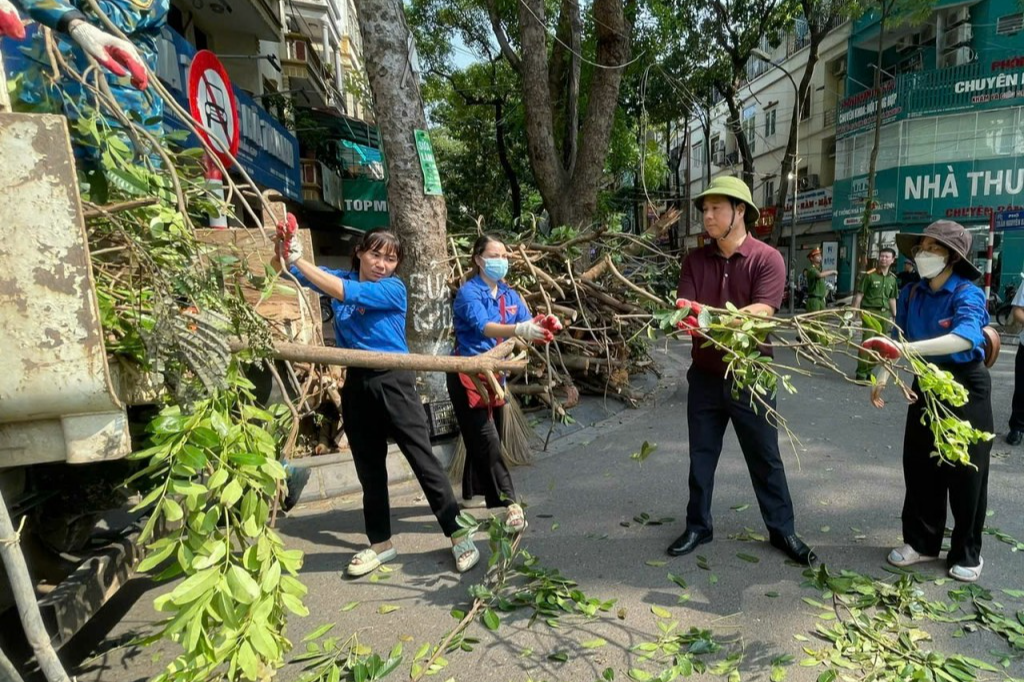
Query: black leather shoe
(794, 548)
(688, 541)
(1014, 437)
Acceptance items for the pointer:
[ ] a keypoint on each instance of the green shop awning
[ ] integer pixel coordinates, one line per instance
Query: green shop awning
(366, 204)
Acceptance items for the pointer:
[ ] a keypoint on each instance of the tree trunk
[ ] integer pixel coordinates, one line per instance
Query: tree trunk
(789, 159)
(736, 128)
(418, 219)
(506, 166)
(569, 190)
(864, 236)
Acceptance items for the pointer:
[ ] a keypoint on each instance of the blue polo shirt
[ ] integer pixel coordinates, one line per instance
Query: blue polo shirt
(372, 317)
(958, 307)
(475, 307)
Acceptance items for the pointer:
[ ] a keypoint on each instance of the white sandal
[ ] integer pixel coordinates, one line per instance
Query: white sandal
(466, 555)
(967, 574)
(907, 556)
(515, 518)
(368, 561)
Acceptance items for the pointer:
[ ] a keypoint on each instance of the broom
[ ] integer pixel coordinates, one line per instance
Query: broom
(517, 438)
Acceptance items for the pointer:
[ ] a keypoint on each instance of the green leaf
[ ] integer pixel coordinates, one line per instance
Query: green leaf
(195, 586)
(559, 656)
(319, 632)
(218, 479)
(740, 507)
(385, 609)
(678, 580)
(263, 642)
(217, 552)
(750, 559)
(231, 493)
(491, 619)
(639, 675)
(172, 510)
(657, 563)
(349, 606)
(594, 643)
(660, 612)
(154, 559)
(242, 586)
(294, 604)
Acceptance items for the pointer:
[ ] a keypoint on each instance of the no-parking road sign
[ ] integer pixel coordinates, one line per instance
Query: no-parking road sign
(213, 104)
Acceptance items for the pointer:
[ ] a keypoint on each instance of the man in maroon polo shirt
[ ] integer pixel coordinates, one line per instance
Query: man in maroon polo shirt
(733, 268)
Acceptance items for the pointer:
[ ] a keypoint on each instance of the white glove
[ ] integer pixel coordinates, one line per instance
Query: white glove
(530, 331)
(115, 55)
(10, 22)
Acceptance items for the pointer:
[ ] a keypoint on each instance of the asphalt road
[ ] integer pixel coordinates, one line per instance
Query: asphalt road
(846, 481)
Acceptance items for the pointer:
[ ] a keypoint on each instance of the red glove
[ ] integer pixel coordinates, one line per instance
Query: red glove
(694, 307)
(884, 346)
(689, 325)
(10, 22)
(549, 322)
(287, 249)
(115, 55)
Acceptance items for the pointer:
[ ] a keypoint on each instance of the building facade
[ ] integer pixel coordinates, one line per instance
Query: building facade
(952, 101)
(767, 107)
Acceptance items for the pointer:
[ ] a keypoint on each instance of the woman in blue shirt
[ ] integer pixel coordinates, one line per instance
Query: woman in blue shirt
(942, 318)
(369, 306)
(487, 310)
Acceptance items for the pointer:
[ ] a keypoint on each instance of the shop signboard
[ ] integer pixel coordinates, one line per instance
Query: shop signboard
(967, 191)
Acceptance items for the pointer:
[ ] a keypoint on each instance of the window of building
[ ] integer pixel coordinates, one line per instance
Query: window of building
(769, 122)
(714, 148)
(996, 133)
(750, 132)
(769, 193)
(805, 107)
(697, 156)
(1010, 24)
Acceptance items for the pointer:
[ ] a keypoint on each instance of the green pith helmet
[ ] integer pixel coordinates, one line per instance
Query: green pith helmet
(734, 188)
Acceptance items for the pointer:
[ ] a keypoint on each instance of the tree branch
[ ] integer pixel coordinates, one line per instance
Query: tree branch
(507, 50)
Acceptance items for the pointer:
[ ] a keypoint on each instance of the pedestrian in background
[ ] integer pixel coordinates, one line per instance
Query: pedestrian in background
(877, 296)
(1016, 433)
(909, 275)
(369, 305)
(732, 268)
(486, 311)
(942, 318)
(817, 289)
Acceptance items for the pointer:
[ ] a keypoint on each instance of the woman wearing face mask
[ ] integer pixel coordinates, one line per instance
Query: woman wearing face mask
(942, 318)
(369, 314)
(487, 310)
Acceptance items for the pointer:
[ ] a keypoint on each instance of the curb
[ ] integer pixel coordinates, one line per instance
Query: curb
(334, 475)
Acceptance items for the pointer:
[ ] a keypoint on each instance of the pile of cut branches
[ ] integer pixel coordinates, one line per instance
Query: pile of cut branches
(603, 284)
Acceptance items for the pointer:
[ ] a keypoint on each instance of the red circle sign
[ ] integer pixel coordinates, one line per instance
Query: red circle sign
(213, 104)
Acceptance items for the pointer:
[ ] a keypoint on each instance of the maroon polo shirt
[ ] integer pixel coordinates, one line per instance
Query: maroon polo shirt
(756, 273)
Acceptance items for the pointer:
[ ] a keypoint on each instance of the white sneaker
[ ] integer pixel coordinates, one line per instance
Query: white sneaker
(907, 556)
(967, 574)
(475, 502)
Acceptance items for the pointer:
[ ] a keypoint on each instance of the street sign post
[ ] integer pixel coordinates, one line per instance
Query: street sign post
(213, 106)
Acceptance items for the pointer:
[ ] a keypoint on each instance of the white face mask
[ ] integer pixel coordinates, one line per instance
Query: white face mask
(929, 264)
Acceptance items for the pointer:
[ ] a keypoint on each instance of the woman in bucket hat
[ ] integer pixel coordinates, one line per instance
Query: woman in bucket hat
(738, 269)
(942, 318)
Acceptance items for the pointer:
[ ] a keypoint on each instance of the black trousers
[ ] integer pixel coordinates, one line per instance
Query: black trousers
(485, 470)
(1017, 415)
(930, 483)
(709, 408)
(376, 404)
